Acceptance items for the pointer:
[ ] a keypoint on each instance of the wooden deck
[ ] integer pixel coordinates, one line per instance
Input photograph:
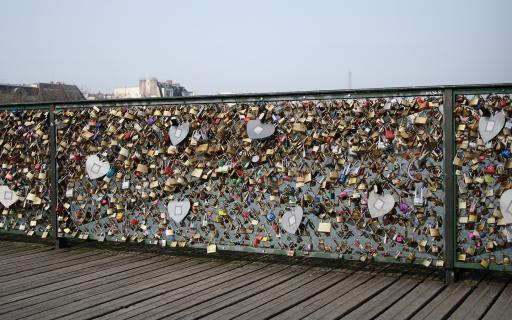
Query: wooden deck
(38, 282)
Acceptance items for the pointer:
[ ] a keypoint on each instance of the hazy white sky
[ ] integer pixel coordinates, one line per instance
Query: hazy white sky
(256, 46)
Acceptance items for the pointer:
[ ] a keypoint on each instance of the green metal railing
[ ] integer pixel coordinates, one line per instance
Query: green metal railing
(449, 96)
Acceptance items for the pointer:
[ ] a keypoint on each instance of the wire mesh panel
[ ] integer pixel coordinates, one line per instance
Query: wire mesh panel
(483, 161)
(353, 178)
(24, 176)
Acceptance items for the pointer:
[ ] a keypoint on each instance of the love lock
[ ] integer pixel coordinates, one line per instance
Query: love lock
(257, 130)
(178, 210)
(419, 200)
(291, 220)
(489, 125)
(506, 206)
(178, 133)
(96, 168)
(7, 196)
(379, 203)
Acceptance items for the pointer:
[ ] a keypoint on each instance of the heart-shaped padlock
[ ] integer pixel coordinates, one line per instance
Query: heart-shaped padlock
(292, 219)
(379, 203)
(258, 130)
(96, 168)
(490, 126)
(7, 196)
(178, 210)
(178, 133)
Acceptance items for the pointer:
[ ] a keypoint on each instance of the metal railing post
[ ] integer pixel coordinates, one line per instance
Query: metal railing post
(449, 186)
(59, 242)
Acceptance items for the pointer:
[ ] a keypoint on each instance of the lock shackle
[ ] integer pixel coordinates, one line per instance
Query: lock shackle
(485, 112)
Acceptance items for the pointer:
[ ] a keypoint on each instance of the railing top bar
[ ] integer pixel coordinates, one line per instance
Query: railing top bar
(320, 94)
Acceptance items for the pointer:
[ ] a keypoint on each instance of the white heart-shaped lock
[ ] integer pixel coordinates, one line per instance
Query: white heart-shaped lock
(380, 204)
(506, 206)
(258, 130)
(178, 133)
(95, 167)
(490, 127)
(292, 219)
(7, 196)
(178, 210)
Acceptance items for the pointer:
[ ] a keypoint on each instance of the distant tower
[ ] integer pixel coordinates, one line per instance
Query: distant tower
(350, 79)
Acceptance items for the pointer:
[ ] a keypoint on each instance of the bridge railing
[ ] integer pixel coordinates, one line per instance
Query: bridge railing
(352, 174)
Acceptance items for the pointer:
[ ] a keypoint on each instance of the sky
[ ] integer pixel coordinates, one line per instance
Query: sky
(256, 46)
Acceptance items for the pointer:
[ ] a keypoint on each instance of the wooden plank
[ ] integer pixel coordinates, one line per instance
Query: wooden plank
(286, 301)
(180, 299)
(481, 299)
(63, 293)
(80, 286)
(355, 298)
(136, 297)
(445, 302)
(73, 269)
(341, 288)
(222, 298)
(33, 258)
(96, 287)
(414, 300)
(53, 262)
(16, 253)
(501, 307)
(268, 295)
(388, 297)
(23, 246)
(123, 296)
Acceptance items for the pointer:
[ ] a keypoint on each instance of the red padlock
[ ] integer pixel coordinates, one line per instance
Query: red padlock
(128, 135)
(490, 169)
(389, 134)
(134, 222)
(503, 103)
(168, 171)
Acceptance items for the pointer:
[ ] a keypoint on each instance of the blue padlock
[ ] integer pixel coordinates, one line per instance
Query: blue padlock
(111, 172)
(344, 175)
(507, 154)
(271, 216)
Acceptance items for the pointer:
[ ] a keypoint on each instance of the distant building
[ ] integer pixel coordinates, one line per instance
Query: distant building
(97, 96)
(151, 88)
(39, 92)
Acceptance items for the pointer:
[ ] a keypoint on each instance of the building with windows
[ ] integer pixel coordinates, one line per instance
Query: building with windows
(152, 88)
(39, 92)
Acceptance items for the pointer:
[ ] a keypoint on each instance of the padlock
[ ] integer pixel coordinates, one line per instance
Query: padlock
(490, 169)
(344, 174)
(419, 200)
(389, 134)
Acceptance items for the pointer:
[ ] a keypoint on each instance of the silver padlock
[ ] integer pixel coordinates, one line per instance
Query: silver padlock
(125, 185)
(197, 135)
(419, 200)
